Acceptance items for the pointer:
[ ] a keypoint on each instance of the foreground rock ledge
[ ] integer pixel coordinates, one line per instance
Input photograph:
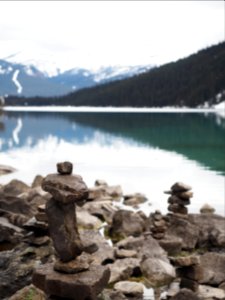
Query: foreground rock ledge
(84, 285)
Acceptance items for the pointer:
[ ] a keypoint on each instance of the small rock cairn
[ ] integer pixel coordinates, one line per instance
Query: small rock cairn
(71, 276)
(158, 225)
(180, 195)
(189, 270)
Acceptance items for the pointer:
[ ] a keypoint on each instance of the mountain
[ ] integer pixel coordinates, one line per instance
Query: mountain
(17, 79)
(195, 81)
(28, 80)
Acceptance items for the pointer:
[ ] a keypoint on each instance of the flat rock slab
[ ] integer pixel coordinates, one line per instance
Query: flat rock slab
(80, 286)
(65, 188)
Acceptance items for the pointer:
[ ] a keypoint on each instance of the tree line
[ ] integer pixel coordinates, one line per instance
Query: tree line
(190, 82)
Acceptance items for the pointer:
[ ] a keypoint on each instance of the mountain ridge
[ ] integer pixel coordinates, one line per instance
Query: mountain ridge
(195, 81)
(28, 81)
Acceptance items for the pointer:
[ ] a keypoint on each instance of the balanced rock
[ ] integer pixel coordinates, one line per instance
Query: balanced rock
(80, 286)
(65, 168)
(180, 198)
(180, 187)
(207, 209)
(65, 189)
(158, 225)
(63, 229)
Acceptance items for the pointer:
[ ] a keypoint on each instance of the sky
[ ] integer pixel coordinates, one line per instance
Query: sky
(92, 34)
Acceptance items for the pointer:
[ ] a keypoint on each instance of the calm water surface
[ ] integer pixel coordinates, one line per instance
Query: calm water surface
(143, 152)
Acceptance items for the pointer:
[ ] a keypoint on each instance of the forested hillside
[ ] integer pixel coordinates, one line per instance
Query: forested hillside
(191, 82)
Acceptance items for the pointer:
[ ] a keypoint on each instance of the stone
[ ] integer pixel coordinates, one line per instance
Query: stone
(176, 200)
(103, 210)
(222, 286)
(41, 217)
(129, 288)
(209, 292)
(16, 205)
(189, 284)
(86, 221)
(63, 229)
(10, 234)
(172, 245)
(84, 285)
(81, 263)
(150, 249)
(185, 261)
(134, 199)
(37, 181)
(123, 253)
(15, 187)
(185, 195)
(66, 188)
(108, 294)
(180, 187)
(131, 243)
(100, 182)
(184, 229)
(27, 292)
(98, 193)
(114, 191)
(178, 208)
(213, 266)
(6, 169)
(211, 230)
(126, 223)
(157, 272)
(65, 168)
(39, 241)
(17, 265)
(88, 241)
(13, 218)
(185, 294)
(122, 269)
(40, 228)
(207, 209)
(104, 253)
(105, 192)
(194, 272)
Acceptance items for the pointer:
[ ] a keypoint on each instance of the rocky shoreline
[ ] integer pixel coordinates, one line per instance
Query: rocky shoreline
(175, 256)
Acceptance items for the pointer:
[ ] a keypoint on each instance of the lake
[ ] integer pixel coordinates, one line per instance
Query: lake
(143, 152)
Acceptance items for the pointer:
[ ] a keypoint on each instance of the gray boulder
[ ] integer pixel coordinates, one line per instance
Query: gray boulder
(126, 223)
(213, 266)
(185, 294)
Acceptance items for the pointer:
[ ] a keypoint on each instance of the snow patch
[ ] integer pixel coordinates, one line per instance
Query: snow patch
(110, 109)
(16, 82)
(17, 130)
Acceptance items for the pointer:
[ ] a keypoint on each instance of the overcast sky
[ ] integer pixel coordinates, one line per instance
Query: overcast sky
(96, 33)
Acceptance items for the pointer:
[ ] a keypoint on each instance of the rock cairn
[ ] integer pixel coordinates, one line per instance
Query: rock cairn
(180, 195)
(189, 270)
(72, 275)
(158, 225)
(207, 209)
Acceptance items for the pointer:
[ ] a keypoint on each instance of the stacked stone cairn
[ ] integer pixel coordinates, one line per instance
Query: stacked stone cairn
(158, 225)
(189, 270)
(180, 195)
(71, 276)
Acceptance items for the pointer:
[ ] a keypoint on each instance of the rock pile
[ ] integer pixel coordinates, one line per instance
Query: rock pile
(180, 195)
(190, 271)
(71, 276)
(158, 225)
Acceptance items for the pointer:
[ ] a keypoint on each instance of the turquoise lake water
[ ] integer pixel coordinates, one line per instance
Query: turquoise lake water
(143, 152)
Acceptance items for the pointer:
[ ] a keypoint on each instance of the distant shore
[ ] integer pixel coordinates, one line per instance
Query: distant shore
(219, 110)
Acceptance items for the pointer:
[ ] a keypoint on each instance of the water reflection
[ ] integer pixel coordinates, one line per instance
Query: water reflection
(144, 152)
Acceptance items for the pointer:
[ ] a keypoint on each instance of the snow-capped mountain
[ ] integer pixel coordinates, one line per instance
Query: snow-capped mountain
(27, 80)
(32, 78)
